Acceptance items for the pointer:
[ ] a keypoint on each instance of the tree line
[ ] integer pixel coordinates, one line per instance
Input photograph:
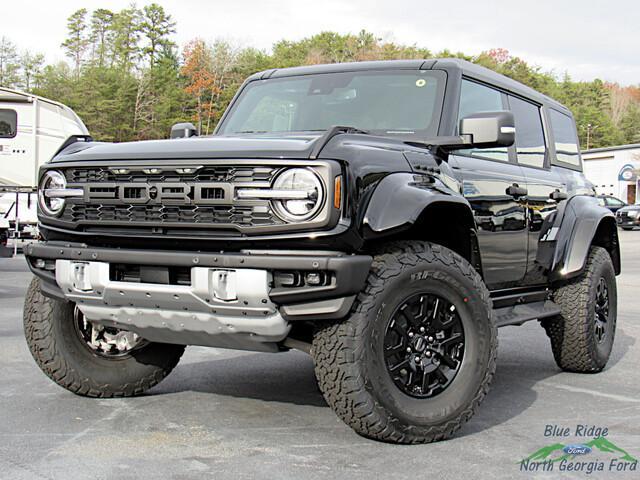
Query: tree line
(128, 80)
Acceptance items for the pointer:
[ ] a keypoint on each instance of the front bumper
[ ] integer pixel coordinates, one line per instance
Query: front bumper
(257, 310)
(627, 221)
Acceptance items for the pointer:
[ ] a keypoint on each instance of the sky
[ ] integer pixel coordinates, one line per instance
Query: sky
(586, 38)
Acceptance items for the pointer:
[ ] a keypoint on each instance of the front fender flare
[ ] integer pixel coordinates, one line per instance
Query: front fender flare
(400, 199)
(566, 239)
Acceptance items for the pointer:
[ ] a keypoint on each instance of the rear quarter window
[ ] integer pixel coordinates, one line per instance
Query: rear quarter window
(530, 143)
(8, 123)
(565, 138)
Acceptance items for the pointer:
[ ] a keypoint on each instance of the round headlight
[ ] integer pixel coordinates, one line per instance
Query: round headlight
(50, 181)
(306, 187)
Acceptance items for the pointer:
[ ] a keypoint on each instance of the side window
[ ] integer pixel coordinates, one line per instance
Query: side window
(566, 140)
(475, 98)
(530, 146)
(8, 123)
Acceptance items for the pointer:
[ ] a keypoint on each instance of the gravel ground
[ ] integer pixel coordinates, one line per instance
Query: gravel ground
(226, 414)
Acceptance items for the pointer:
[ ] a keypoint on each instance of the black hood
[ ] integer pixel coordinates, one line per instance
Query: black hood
(256, 146)
(348, 147)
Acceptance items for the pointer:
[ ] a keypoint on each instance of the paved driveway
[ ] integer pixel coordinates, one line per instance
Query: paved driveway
(225, 414)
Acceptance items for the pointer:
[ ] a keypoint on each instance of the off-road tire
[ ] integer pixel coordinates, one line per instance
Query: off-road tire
(60, 354)
(572, 334)
(348, 355)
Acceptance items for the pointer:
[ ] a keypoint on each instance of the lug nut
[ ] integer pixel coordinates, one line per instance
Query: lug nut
(410, 334)
(421, 329)
(427, 353)
(408, 349)
(417, 359)
(430, 339)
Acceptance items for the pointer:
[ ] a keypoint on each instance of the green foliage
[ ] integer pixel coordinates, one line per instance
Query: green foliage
(156, 26)
(128, 81)
(9, 62)
(76, 43)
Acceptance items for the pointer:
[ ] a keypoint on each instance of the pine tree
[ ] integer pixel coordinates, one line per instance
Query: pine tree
(101, 35)
(156, 26)
(31, 69)
(77, 41)
(9, 63)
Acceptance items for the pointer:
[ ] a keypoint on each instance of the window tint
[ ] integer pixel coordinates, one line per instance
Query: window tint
(566, 141)
(8, 123)
(530, 145)
(475, 98)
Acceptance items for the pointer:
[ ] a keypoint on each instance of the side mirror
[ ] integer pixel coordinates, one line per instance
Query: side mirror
(489, 129)
(183, 130)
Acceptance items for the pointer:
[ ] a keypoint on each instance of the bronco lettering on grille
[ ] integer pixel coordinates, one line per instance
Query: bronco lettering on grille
(169, 193)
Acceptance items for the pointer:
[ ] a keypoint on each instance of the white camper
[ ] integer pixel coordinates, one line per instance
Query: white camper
(32, 130)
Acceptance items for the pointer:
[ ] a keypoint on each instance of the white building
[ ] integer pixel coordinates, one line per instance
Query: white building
(615, 171)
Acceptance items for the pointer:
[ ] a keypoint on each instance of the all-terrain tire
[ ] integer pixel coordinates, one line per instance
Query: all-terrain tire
(573, 334)
(60, 353)
(348, 355)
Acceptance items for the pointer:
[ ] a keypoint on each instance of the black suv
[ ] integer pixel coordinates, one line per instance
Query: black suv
(385, 217)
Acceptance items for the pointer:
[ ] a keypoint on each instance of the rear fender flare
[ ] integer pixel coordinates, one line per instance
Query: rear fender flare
(566, 237)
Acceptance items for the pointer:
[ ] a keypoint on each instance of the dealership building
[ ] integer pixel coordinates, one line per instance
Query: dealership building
(615, 171)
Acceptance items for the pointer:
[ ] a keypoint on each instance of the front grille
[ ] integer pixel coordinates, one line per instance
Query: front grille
(171, 197)
(166, 214)
(232, 174)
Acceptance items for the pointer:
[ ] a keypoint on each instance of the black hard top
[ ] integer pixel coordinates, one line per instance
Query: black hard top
(466, 68)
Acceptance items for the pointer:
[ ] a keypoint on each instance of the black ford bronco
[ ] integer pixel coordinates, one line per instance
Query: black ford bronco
(385, 217)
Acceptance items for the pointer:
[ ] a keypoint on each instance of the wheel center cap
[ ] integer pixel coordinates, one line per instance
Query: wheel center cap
(419, 344)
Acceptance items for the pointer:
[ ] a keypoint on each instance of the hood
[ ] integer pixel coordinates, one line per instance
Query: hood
(629, 208)
(256, 146)
(364, 151)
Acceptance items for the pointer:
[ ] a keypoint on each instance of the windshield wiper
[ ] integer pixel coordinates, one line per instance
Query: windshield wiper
(329, 134)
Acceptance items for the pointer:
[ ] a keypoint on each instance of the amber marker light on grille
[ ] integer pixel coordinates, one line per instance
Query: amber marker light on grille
(337, 192)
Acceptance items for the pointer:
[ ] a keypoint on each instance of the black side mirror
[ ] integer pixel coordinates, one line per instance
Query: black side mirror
(489, 129)
(183, 130)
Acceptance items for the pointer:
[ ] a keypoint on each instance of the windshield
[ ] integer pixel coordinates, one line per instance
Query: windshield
(403, 103)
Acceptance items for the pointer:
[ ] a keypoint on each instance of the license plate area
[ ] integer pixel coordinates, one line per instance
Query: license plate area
(153, 274)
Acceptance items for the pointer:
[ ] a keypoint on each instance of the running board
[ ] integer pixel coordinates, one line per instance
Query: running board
(519, 314)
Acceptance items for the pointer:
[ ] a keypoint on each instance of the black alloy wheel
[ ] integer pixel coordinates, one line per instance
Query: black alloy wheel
(601, 310)
(424, 345)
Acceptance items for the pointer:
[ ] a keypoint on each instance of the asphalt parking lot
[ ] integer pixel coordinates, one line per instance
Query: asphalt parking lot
(227, 414)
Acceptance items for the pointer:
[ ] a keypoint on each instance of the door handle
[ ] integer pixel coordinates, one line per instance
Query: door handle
(558, 196)
(516, 191)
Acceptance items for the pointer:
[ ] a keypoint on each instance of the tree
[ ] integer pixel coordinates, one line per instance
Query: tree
(127, 81)
(31, 69)
(126, 31)
(101, 35)
(77, 41)
(156, 26)
(9, 63)
(621, 99)
(197, 70)
(630, 124)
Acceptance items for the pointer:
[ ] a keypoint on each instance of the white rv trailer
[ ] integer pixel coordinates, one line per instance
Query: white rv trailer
(32, 130)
